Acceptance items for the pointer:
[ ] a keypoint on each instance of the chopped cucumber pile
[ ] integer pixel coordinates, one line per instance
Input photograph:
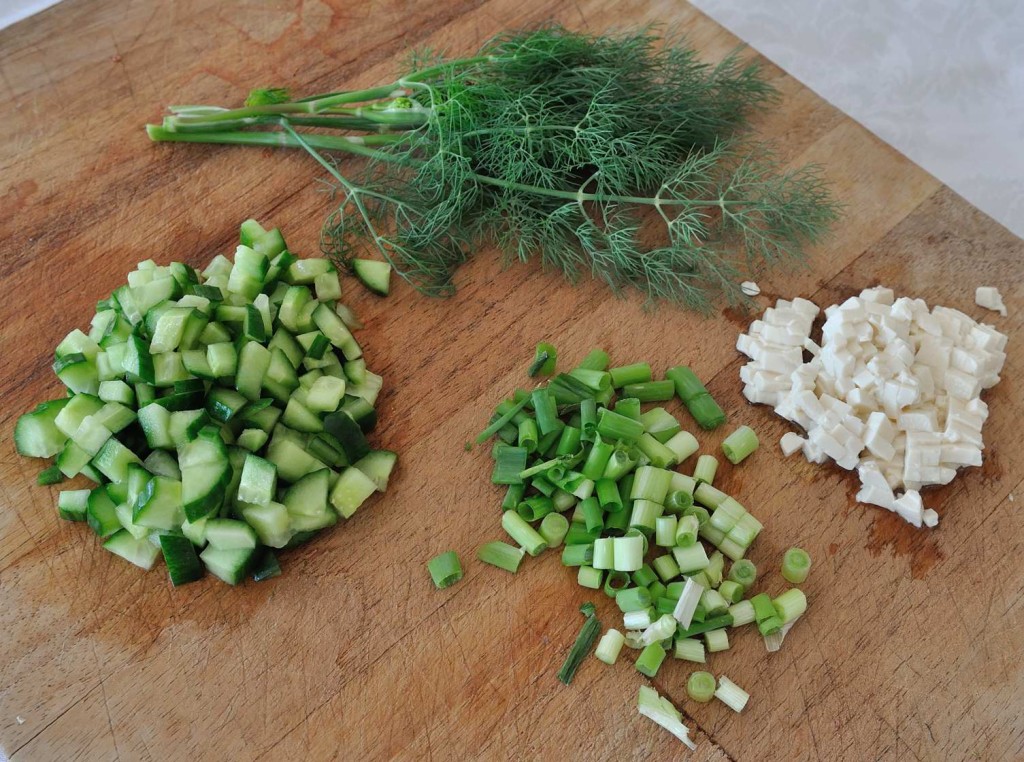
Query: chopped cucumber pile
(223, 415)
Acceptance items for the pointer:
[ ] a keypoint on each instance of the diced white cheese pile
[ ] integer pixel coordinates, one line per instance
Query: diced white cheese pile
(892, 391)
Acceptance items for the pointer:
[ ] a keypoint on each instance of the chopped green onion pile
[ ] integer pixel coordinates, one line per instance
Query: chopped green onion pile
(589, 463)
(221, 415)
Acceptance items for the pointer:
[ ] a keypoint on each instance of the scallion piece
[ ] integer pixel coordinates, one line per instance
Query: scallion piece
(501, 554)
(713, 571)
(695, 396)
(608, 496)
(650, 391)
(612, 426)
(686, 530)
(544, 360)
(597, 459)
(713, 603)
(763, 607)
(593, 516)
(637, 373)
(796, 565)
(682, 445)
(604, 553)
(731, 694)
(588, 420)
(687, 603)
(744, 572)
(690, 559)
(596, 380)
(628, 555)
(553, 529)
(580, 649)
(665, 605)
(543, 486)
(568, 441)
(731, 591)
(661, 711)
(660, 424)
(661, 630)
(620, 464)
(790, 605)
(690, 649)
(658, 454)
(545, 409)
(636, 532)
(644, 576)
(712, 535)
(769, 626)
(445, 569)
(650, 659)
(563, 500)
(679, 502)
(716, 640)
(638, 620)
(499, 422)
(509, 463)
(682, 483)
(632, 599)
(657, 590)
(523, 533)
(651, 483)
(644, 515)
(513, 496)
(700, 513)
(665, 567)
(665, 531)
(615, 581)
(746, 530)
(739, 444)
(577, 555)
(704, 471)
(609, 647)
(596, 359)
(701, 687)
(706, 412)
(535, 508)
(742, 613)
(701, 578)
(578, 534)
(528, 436)
(699, 628)
(709, 496)
(588, 576)
(567, 390)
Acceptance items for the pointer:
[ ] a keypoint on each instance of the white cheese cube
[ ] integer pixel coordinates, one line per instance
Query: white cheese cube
(909, 507)
(918, 419)
(990, 298)
(791, 442)
(878, 295)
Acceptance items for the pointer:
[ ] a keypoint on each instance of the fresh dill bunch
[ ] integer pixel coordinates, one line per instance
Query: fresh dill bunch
(558, 145)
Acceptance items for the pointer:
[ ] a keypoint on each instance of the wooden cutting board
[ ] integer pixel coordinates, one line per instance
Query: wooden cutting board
(911, 644)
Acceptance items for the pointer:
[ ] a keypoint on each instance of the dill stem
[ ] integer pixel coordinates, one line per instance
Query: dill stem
(357, 144)
(360, 145)
(321, 103)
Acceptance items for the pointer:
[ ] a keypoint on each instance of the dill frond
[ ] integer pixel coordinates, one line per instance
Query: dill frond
(560, 145)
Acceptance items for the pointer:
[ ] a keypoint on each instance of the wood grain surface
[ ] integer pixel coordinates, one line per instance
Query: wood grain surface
(911, 646)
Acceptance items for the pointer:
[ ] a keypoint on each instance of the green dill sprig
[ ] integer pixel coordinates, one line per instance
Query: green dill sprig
(557, 145)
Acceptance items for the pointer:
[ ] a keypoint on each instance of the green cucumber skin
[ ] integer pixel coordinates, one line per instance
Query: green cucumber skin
(149, 349)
